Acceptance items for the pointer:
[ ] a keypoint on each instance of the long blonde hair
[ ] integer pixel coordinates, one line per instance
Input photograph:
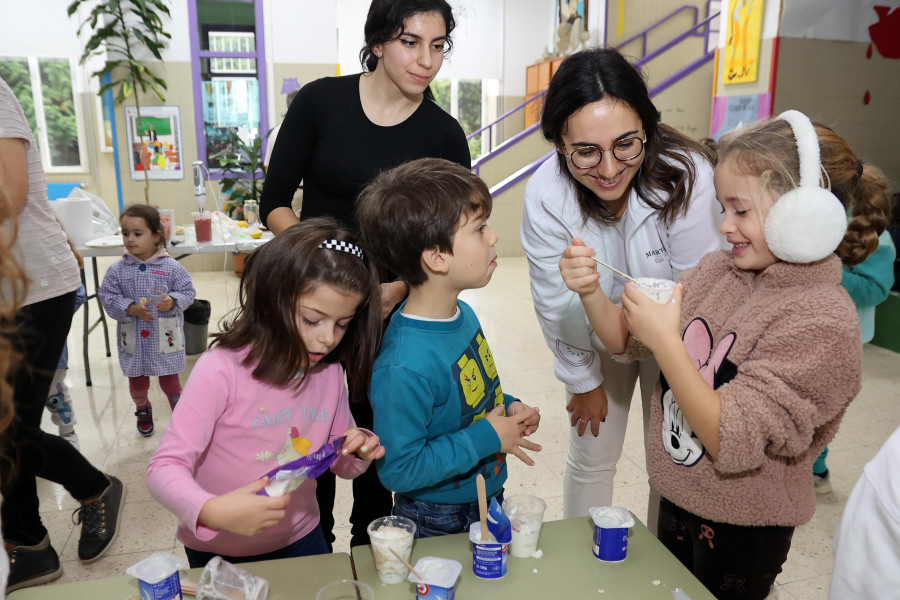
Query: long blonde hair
(12, 275)
(768, 150)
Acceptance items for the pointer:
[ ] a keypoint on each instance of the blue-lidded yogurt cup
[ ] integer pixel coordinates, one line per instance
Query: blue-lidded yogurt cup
(158, 577)
(488, 558)
(438, 579)
(611, 525)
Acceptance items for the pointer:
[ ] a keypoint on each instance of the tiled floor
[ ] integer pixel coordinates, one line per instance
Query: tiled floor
(108, 437)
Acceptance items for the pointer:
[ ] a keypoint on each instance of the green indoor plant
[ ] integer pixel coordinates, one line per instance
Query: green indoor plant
(243, 175)
(120, 29)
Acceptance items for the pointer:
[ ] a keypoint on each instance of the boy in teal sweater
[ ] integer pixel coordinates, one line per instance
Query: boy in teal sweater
(439, 408)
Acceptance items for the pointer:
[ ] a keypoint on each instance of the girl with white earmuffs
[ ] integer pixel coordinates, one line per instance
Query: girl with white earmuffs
(759, 349)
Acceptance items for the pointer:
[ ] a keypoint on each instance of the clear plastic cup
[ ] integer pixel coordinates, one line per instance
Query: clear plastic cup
(203, 226)
(251, 212)
(658, 289)
(391, 533)
(167, 217)
(526, 515)
(221, 580)
(156, 294)
(346, 589)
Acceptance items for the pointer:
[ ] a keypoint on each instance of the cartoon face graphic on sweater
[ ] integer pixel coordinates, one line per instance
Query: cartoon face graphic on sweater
(678, 437)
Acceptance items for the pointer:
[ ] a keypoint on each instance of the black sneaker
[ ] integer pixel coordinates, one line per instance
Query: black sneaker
(32, 565)
(145, 420)
(99, 520)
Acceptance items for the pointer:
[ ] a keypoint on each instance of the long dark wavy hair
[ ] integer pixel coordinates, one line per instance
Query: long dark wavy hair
(275, 276)
(666, 177)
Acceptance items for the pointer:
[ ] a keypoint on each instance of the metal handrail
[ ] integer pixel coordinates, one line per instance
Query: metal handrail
(664, 84)
(646, 31)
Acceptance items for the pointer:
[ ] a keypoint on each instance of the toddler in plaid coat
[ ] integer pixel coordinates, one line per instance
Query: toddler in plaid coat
(147, 292)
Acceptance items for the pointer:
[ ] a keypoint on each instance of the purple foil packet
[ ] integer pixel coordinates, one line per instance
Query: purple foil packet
(286, 478)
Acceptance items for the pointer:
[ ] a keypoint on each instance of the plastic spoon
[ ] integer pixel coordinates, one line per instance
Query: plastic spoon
(482, 507)
(628, 277)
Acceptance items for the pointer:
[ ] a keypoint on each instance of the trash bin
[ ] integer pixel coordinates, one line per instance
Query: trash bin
(196, 326)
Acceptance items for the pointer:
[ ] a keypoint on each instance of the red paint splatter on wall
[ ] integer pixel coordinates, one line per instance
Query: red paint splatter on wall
(867, 97)
(886, 32)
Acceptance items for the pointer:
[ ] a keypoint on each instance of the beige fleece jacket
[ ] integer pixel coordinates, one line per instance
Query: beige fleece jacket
(785, 378)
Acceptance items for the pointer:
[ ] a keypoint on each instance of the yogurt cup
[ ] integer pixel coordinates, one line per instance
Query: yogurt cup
(611, 525)
(438, 579)
(489, 558)
(158, 577)
(658, 289)
(391, 533)
(526, 515)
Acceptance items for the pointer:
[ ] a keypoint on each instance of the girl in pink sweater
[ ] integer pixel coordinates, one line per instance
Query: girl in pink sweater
(270, 390)
(759, 349)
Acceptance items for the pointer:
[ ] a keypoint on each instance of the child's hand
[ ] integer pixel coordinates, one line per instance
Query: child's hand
(531, 423)
(649, 321)
(364, 446)
(167, 303)
(510, 431)
(578, 269)
(140, 311)
(243, 512)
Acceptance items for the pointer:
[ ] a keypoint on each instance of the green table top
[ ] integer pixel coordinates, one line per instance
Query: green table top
(567, 567)
(289, 578)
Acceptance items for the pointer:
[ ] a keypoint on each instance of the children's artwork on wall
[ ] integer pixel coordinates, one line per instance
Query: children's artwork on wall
(729, 112)
(571, 26)
(742, 41)
(161, 150)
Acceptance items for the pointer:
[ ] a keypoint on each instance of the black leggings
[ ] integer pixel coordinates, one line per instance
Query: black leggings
(370, 499)
(41, 335)
(732, 561)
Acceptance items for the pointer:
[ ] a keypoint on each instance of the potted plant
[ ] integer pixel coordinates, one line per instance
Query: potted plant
(243, 177)
(124, 29)
(243, 180)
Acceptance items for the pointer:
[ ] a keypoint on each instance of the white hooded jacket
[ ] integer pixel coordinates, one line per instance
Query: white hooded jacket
(641, 245)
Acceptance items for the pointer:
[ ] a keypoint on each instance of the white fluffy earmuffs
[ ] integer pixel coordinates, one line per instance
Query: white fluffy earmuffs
(807, 223)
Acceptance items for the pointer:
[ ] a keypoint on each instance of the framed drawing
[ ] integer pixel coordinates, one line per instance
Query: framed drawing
(160, 151)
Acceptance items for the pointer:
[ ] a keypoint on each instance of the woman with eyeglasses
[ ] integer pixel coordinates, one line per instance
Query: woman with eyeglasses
(338, 134)
(642, 195)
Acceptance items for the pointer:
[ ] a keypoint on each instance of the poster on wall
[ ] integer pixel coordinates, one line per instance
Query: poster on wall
(161, 150)
(729, 112)
(742, 41)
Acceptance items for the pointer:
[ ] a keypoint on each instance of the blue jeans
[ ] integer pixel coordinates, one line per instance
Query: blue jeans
(434, 519)
(309, 545)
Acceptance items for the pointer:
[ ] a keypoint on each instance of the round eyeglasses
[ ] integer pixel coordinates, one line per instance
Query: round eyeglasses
(588, 157)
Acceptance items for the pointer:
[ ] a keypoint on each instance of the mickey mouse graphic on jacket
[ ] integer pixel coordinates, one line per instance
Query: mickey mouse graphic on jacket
(678, 437)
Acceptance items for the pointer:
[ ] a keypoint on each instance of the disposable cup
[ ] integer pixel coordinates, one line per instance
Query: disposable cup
(167, 217)
(611, 525)
(526, 515)
(221, 579)
(346, 589)
(391, 533)
(156, 293)
(438, 578)
(158, 577)
(203, 226)
(489, 558)
(658, 289)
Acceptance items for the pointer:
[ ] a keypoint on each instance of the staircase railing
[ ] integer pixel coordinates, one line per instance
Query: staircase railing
(659, 87)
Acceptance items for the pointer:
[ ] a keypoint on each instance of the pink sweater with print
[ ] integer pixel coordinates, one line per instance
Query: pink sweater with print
(782, 349)
(230, 429)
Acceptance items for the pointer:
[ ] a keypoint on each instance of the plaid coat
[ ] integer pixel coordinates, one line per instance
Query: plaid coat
(155, 347)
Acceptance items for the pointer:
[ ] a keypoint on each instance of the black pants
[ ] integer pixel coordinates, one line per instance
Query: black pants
(733, 562)
(370, 499)
(40, 338)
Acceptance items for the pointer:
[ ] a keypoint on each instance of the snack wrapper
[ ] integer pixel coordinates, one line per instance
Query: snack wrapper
(286, 478)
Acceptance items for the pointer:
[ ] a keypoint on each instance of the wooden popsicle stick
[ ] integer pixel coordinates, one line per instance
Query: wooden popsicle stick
(408, 566)
(628, 277)
(482, 507)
